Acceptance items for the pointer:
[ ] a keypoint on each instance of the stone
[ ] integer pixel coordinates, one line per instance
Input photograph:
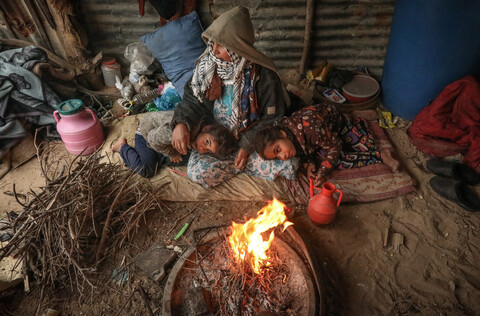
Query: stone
(155, 261)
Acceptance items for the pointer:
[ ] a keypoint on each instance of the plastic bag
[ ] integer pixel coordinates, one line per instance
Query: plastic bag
(139, 57)
(168, 99)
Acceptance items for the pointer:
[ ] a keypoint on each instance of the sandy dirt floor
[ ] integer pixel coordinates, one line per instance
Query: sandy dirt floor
(434, 271)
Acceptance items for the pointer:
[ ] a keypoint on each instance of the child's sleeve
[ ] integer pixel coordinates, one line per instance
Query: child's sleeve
(157, 141)
(155, 128)
(332, 147)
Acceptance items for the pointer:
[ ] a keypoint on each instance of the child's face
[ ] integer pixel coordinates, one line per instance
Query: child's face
(281, 148)
(205, 143)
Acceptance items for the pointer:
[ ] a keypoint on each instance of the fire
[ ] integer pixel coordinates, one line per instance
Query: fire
(247, 241)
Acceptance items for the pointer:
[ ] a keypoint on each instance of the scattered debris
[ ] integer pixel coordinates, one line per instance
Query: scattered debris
(452, 285)
(397, 241)
(145, 300)
(385, 119)
(51, 312)
(10, 272)
(155, 261)
(392, 240)
(385, 237)
(120, 277)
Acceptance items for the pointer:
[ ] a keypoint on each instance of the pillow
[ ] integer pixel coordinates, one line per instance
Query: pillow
(177, 45)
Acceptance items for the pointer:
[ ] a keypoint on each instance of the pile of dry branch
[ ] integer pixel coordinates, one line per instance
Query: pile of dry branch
(86, 210)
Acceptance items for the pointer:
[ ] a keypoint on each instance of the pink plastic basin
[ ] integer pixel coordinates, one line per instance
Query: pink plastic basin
(361, 88)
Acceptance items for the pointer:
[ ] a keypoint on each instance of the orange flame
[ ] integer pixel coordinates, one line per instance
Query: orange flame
(247, 241)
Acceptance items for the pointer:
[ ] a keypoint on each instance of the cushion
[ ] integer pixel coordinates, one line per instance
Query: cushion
(177, 45)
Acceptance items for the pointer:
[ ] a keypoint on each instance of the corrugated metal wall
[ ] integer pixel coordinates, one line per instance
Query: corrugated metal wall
(113, 24)
(348, 34)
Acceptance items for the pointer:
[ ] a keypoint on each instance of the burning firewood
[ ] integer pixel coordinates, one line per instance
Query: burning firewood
(242, 270)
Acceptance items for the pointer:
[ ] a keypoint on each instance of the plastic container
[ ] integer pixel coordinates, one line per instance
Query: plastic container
(334, 96)
(431, 44)
(79, 128)
(110, 69)
(169, 97)
(145, 97)
(360, 89)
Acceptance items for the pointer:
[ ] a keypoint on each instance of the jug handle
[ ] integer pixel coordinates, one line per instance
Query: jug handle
(55, 115)
(340, 197)
(91, 113)
(311, 188)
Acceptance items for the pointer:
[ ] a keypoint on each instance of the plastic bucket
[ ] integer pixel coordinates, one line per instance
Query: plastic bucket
(110, 69)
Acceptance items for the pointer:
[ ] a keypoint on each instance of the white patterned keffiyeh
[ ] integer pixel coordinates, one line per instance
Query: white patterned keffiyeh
(231, 72)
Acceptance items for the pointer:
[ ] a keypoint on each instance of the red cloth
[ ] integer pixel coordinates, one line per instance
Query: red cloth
(186, 7)
(451, 123)
(141, 7)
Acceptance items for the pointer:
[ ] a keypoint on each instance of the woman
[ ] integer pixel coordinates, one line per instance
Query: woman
(240, 88)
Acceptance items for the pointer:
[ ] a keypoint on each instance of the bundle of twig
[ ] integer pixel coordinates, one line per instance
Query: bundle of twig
(87, 206)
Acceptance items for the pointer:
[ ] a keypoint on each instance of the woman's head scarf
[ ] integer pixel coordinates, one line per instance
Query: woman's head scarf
(234, 31)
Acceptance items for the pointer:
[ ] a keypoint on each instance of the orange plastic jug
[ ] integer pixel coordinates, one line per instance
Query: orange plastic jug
(79, 128)
(322, 207)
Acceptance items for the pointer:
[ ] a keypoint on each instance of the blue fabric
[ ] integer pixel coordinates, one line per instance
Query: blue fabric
(168, 100)
(222, 108)
(248, 116)
(177, 45)
(142, 159)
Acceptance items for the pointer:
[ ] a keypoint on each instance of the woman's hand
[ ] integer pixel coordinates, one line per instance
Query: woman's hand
(181, 138)
(241, 159)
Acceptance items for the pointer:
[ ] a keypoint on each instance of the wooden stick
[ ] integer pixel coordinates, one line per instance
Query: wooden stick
(145, 300)
(181, 218)
(101, 246)
(308, 34)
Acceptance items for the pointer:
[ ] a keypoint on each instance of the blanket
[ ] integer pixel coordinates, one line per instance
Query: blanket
(23, 95)
(365, 184)
(370, 183)
(451, 123)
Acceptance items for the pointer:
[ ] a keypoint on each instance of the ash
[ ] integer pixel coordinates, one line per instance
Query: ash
(232, 288)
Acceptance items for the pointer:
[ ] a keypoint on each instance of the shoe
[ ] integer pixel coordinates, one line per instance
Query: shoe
(454, 170)
(456, 191)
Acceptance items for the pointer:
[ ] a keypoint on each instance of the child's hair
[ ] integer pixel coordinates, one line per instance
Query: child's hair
(227, 143)
(265, 137)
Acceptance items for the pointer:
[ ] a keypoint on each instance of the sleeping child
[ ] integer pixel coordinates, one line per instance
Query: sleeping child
(153, 143)
(322, 137)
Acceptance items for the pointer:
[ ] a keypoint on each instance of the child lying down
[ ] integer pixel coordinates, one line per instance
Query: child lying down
(153, 143)
(324, 139)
